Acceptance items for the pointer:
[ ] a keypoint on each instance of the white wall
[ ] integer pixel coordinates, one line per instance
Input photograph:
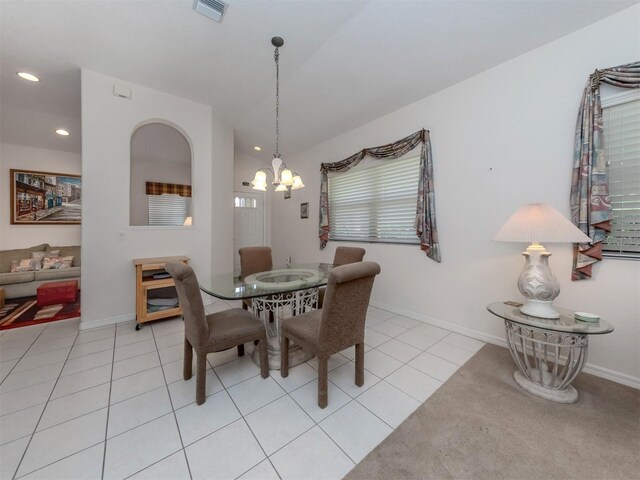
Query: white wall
(500, 139)
(28, 158)
(222, 196)
(108, 280)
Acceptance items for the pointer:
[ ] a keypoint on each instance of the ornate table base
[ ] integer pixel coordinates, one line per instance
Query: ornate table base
(547, 361)
(283, 305)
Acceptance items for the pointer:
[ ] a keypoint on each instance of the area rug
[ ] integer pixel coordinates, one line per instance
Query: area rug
(20, 312)
(481, 425)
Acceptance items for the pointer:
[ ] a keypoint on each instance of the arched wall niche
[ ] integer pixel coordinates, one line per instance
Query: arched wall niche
(161, 166)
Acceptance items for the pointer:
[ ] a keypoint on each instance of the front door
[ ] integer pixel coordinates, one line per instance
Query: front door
(248, 223)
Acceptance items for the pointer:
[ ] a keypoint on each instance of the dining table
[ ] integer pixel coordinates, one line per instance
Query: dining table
(276, 294)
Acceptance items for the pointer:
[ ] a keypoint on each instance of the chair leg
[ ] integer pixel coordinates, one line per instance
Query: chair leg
(322, 381)
(241, 350)
(284, 356)
(188, 360)
(360, 364)
(264, 358)
(201, 378)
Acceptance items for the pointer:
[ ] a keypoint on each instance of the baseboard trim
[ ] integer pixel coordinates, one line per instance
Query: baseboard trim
(596, 370)
(103, 322)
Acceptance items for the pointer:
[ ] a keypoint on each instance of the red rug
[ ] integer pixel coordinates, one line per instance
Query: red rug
(20, 312)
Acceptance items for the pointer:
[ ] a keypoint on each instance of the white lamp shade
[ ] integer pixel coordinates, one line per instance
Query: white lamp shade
(260, 178)
(541, 223)
(188, 222)
(286, 177)
(260, 186)
(297, 183)
(281, 188)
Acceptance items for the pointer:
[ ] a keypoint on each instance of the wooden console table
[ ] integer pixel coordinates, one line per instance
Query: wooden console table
(153, 282)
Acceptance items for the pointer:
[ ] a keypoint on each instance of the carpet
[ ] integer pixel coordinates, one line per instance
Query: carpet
(20, 312)
(481, 425)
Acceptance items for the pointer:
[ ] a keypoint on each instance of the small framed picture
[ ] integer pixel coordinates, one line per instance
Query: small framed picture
(304, 210)
(287, 193)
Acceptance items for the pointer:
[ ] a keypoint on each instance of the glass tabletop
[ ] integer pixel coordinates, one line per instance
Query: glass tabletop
(231, 286)
(566, 323)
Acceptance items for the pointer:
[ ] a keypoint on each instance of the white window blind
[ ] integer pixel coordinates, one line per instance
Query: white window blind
(621, 123)
(168, 209)
(375, 203)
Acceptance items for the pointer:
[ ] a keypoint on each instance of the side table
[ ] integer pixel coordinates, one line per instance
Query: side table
(549, 353)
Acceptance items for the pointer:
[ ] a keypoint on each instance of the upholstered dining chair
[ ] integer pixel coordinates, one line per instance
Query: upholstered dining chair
(254, 260)
(338, 325)
(343, 256)
(214, 332)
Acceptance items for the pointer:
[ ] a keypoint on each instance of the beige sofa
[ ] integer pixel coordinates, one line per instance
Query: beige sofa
(23, 284)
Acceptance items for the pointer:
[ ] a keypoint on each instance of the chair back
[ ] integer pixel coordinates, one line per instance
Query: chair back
(196, 328)
(345, 255)
(345, 305)
(254, 260)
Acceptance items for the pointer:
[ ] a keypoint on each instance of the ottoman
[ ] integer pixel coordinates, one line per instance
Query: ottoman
(53, 293)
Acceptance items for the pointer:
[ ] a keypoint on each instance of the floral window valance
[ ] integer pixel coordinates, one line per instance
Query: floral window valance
(425, 208)
(590, 202)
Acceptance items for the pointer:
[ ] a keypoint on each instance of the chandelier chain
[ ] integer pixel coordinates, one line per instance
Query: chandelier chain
(276, 57)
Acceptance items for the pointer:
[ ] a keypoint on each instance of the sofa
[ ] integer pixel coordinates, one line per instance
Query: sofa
(24, 284)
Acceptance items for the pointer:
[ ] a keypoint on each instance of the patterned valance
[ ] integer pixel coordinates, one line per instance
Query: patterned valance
(590, 202)
(157, 188)
(425, 209)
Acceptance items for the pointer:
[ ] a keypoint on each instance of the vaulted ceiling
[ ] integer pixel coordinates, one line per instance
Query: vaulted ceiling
(344, 63)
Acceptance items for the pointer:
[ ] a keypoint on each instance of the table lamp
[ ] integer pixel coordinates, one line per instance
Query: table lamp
(538, 223)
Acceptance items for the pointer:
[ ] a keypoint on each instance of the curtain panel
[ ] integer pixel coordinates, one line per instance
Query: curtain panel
(590, 203)
(158, 188)
(425, 208)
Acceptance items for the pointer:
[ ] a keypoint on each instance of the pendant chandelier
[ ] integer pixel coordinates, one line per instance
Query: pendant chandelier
(283, 177)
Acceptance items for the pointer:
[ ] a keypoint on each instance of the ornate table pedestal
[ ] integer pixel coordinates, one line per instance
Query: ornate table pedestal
(549, 353)
(283, 305)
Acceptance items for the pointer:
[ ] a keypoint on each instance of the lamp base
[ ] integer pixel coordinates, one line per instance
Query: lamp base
(540, 309)
(538, 284)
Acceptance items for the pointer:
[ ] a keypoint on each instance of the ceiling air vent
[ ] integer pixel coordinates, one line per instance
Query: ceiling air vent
(214, 9)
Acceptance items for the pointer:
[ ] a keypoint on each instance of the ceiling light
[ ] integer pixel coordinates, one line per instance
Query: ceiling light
(63, 132)
(283, 177)
(28, 76)
(257, 148)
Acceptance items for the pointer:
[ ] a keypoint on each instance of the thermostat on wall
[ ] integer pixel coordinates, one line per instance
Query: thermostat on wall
(122, 92)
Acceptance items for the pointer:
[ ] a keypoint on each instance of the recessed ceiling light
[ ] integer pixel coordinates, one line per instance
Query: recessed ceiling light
(28, 76)
(257, 148)
(63, 132)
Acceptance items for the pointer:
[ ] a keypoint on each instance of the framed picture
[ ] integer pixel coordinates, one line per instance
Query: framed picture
(287, 193)
(304, 210)
(45, 198)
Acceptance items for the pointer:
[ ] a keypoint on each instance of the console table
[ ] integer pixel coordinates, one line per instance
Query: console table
(549, 353)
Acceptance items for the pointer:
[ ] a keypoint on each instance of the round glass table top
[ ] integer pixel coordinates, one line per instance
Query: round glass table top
(284, 278)
(566, 323)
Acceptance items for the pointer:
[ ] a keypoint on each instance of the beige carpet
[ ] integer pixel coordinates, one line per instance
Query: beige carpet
(481, 425)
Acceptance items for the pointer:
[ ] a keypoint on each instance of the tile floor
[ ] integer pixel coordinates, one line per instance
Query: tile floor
(111, 403)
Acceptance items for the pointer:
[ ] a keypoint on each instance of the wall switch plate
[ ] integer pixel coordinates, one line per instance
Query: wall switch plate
(121, 236)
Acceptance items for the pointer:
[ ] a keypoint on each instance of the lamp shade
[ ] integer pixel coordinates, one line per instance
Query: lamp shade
(541, 223)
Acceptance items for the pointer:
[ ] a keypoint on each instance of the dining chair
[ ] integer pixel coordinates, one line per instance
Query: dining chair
(254, 260)
(214, 332)
(343, 256)
(338, 325)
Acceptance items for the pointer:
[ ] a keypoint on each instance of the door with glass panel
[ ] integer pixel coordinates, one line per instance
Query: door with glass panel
(248, 222)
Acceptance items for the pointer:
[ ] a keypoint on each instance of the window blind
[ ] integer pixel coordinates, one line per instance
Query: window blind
(168, 209)
(375, 203)
(621, 124)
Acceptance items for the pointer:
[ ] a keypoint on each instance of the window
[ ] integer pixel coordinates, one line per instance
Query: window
(168, 209)
(621, 124)
(245, 202)
(375, 203)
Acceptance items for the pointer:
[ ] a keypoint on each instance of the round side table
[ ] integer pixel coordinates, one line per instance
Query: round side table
(549, 353)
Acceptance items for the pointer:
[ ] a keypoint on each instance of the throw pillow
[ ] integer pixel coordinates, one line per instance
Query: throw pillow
(24, 265)
(52, 253)
(38, 256)
(56, 262)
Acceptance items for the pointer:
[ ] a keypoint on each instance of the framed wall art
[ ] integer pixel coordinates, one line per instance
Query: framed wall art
(41, 198)
(304, 210)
